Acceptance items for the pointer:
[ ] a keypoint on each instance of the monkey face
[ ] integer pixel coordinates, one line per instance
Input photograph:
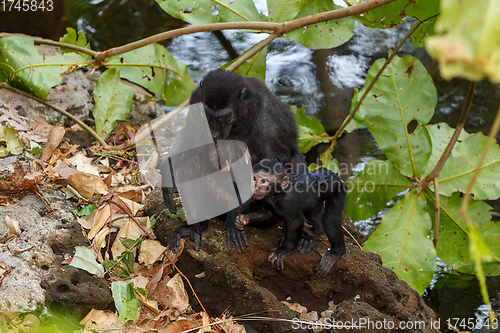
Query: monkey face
(262, 183)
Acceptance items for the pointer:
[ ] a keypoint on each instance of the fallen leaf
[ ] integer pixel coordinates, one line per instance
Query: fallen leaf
(38, 123)
(87, 184)
(131, 206)
(101, 216)
(64, 170)
(99, 320)
(180, 326)
(9, 141)
(100, 242)
(55, 136)
(83, 164)
(149, 304)
(85, 259)
(151, 251)
(181, 300)
(128, 230)
(13, 225)
(4, 270)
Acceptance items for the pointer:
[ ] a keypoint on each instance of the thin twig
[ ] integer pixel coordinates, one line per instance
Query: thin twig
(434, 174)
(437, 208)
(67, 114)
(190, 287)
(354, 239)
(348, 119)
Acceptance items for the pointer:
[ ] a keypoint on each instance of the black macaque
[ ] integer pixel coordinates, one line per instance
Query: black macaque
(239, 108)
(318, 196)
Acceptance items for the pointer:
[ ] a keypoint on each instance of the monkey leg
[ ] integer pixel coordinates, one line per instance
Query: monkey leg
(193, 230)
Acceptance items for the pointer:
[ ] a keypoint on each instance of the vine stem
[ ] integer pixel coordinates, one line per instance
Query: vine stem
(348, 119)
(465, 214)
(64, 112)
(434, 174)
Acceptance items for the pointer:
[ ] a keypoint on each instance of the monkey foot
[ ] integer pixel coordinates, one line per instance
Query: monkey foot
(327, 261)
(276, 257)
(306, 243)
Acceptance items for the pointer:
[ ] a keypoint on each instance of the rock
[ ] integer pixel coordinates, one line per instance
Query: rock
(246, 283)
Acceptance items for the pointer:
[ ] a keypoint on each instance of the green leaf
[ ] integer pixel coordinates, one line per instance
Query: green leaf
(424, 30)
(209, 11)
(453, 246)
(371, 190)
(404, 92)
(155, 69)
(75, 38)
(392, 14)
(22, 66)
(402, 242)
(440, 135)
(284, 10)
(125, 300)
(128, 258)
(323, 35)
(128, 243)
(460, 165)
(9, 141)
(311, 131)
(468, 40)
(113, 101)
(87, 210)
(85, 259)
(35, 148)
(255, 66)
(357, 121)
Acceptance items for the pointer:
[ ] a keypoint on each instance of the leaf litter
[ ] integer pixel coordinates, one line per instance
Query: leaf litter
(152, 295)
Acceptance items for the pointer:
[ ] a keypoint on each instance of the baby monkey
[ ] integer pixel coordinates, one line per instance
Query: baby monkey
(318, 196)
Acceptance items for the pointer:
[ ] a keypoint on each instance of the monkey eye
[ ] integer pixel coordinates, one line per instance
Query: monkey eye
(263, 181)
(254, 178)
(243, 92)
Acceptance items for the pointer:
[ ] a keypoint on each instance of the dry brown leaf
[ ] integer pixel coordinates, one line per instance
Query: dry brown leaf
(151, 305)
(85, 221)
(38, 123)
(151, 251)
(206, 321)
(232, 326)
(101, 216)
(100, 242)
(13, 225)
(4, 270)
(128, 230)
(83, 164)
(181, 300)
(55, 136)
(64, 170)
(99, 319)
(131, 206)
(87, 184)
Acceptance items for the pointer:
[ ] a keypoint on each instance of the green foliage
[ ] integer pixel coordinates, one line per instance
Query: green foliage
(373, 188)
(323, 35)
(125, 301)
(75, 38)
(311, 131)
(392, 14)
(113, 101)
(404, 92)
(9, 141)
(154, 68)
(401, 240)
(467, 43)
(255, 66)
(454, 237)
(23, 67)
(35, 148)
(87, 210)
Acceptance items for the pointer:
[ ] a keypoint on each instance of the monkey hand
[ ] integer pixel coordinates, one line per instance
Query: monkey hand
(306, 243)
(194, 231)
(327, 261)
(237, 236)
(276, 257)
(241, 221)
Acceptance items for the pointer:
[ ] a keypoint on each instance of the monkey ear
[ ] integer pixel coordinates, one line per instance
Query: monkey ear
(243, 92)
(285, 181)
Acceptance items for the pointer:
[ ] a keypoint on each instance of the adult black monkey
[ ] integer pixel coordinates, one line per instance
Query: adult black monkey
(318, 196)
(240, 108)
